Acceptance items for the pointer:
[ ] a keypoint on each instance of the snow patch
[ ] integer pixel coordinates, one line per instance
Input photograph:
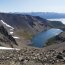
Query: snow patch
(11, 28)
(2, 22)
(11, 33)
(6, 48)
(16, 37)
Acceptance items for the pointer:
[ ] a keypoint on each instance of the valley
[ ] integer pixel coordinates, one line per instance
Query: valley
(31, 40)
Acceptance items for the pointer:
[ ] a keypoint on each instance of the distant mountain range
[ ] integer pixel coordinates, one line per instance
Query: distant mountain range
(47, 15)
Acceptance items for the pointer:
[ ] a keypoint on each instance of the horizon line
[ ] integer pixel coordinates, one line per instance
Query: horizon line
(34, 12)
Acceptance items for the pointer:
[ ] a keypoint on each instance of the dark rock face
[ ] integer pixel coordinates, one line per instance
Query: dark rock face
(5, 38)
(3, 31)
(60, 38)
(59, 56)
(63, 51)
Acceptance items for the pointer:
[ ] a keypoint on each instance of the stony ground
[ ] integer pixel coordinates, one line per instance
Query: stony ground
(32, 56)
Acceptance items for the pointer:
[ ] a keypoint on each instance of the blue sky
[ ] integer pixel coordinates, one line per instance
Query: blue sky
(32, 6)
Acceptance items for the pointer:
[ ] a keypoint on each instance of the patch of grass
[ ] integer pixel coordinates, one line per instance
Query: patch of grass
(25, 34)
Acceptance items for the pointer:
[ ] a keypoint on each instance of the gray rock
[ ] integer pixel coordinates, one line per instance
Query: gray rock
(21, 58)
(59, 56)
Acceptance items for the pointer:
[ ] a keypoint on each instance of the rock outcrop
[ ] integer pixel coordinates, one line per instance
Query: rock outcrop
(6, 39)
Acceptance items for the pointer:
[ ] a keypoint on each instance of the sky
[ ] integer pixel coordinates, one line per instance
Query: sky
(32, 6)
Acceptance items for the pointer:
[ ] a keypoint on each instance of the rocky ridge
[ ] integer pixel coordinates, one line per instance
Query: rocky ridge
(5, 38)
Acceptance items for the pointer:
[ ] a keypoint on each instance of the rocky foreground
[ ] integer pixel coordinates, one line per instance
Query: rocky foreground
(32, 56)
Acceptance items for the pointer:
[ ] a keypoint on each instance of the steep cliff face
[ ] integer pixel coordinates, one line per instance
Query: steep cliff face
(6, 39)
